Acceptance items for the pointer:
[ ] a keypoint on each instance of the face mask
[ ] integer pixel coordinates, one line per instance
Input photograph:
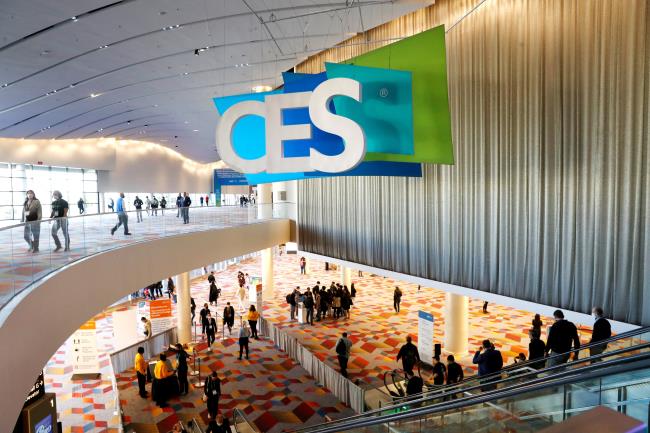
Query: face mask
(595, 316)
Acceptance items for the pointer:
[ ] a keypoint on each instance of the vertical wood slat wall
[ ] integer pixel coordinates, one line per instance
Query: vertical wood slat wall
(549, 199)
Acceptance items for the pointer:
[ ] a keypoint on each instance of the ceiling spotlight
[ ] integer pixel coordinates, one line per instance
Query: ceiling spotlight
(261, 88)
(74, 19)
(100, 129)
(200, 50)
(5, 85)
(186, 122)
(103, 46)
(186, 73)
(154, 105)
(94, 95)
(195, 130)
(177, 26)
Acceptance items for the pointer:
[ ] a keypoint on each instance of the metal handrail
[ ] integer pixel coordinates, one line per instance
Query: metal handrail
(238, 414)
(546, 372)
(566, 377)
(455, 388)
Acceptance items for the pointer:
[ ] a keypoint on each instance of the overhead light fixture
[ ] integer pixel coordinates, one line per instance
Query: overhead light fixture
(100, 129)
(103, 47)
(186, 122)
(195, 130)
(177, 26)
(94, 95)
(5, 85)
(200, 50)
(186, 73)
(261, 88)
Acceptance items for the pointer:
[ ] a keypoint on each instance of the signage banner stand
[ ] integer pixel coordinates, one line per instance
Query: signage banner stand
(425, 336)
(160, 312)
(85, 361)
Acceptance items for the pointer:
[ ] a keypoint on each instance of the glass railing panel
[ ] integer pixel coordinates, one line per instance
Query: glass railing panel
(91, 234)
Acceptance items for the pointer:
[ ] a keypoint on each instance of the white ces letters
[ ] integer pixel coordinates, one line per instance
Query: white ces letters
(271, 110)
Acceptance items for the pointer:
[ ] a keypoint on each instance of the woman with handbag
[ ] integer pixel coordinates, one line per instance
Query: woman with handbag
(32, 214)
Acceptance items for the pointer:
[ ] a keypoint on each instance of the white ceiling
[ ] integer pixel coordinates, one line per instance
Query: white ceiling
(151, 85)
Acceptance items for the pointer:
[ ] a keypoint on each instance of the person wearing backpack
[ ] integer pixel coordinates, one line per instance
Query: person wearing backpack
(343, 346)
(309, 306)
(154, 206)
(409, 355)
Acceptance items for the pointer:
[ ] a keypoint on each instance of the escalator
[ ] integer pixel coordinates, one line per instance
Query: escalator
(522, 398)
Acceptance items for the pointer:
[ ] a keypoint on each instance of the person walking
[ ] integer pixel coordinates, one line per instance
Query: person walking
(187, 202)
(397, 298)
(214, 293)
(244, 334)
(181, 369)
(342, 347)
(211, 278)
(212, 392)
(559, 340)
(210, 328)
(163, 205)
(171, 289)
(203, 314)
(201, 199)
(81, 206)
(154, 205)
(409, 355)
(602, 331)
(147, 327)
(489, 361)
(31, 216)
(60, 211)
(309, 307)
(303, 266)
(138, 208)
(241, 298)
(122, 217)
(192, 308)
(292, 301)
(228, 317)
(141, 372)
(485, 307)
(111, 204)
(252, 317)
(148, 205)
(207, 200)
(179, 205)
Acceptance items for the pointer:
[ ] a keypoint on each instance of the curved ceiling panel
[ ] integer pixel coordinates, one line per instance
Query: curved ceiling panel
(73, 68)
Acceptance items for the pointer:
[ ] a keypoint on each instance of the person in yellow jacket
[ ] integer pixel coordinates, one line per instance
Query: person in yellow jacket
(141, 372)
(160, 373)
(252, 317)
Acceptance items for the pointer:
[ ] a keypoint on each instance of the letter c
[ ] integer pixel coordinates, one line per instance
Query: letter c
(224, 137)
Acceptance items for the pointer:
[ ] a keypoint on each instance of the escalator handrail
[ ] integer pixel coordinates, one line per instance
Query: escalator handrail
(465, 384)
(601, 369)
(419, 398)
(528, 363)
(239, 414)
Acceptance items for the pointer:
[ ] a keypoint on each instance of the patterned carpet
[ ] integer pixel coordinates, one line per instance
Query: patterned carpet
(271, 389)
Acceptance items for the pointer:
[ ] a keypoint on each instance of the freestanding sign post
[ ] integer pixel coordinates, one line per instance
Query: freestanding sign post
(85, 362)
(425, 336)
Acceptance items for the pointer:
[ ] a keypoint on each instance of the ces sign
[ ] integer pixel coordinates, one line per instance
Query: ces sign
(318, 102)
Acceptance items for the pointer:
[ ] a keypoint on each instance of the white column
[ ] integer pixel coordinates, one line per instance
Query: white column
(183, 308)
(456, 324)
(267, 272)
(264, 201)
(346, 276)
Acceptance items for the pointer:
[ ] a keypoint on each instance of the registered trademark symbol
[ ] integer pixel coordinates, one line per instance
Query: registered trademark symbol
(383, 92)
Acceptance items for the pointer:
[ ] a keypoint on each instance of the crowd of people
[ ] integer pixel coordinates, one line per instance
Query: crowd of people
(334, 301)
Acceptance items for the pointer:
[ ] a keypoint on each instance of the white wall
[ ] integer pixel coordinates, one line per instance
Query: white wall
(141, 166)
(89, 153)
(115, 273)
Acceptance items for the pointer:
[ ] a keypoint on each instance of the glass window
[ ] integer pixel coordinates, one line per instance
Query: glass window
(90, 175)
(5, 198)
(5, 170)
(6, 213)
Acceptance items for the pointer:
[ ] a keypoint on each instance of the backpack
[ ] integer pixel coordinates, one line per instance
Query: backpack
(289, 298)
(341, 349)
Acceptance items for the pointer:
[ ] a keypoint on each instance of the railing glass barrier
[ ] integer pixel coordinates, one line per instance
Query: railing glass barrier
(85, 235)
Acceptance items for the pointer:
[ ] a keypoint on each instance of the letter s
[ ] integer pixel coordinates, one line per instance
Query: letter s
(352, 134)
(224, 137)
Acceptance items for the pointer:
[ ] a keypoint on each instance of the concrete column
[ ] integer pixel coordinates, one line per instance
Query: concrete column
(264, 201)
(183, 308)
(267, 272)
(346, 276)
(456, 324)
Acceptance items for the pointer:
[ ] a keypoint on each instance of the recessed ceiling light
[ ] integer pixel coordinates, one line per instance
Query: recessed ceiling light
(154, 105)
(5, 85)
(103, 46)
(195, 130)
(74, 19)
(186, 73)
(100, 129)
(186, 122)
(45, 52)
(94, 95)
(261, 88)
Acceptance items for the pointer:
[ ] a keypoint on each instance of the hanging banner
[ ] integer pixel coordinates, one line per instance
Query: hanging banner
(425, 336)
(160, 312)
(84, 349)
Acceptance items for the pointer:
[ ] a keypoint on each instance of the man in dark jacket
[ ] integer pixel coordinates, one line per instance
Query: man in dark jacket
(560, 337)
(489, 361)
(185, 210)
(602, 331)
(309, 306)
(212, 391)
(409, 355)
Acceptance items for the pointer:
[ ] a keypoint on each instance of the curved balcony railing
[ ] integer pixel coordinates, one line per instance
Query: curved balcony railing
(91, 234)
